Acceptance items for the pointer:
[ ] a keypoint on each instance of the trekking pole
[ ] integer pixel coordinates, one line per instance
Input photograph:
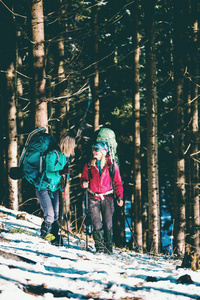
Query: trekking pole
(137, 247)
(64, 206)
(67, 222)
(61, 225)
(86, 206)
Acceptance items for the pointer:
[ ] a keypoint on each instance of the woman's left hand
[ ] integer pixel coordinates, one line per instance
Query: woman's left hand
(120, 202)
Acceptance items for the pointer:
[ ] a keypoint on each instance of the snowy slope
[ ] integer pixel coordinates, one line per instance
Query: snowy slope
(34, 269)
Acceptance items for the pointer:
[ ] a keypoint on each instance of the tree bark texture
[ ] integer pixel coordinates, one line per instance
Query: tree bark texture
(195, 128)
(39, 73)
(137, 203)
(12, 138)
(179, 144)
(152, 138)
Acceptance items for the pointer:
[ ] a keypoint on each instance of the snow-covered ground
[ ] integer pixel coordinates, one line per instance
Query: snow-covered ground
(38, 270)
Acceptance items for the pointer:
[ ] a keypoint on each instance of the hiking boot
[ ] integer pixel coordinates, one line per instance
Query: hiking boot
(45, 229)
(98, 240)
(55, 228)
(58, 241)
(108, 241)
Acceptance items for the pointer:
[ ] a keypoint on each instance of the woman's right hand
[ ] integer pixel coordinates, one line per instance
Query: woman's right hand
(85, 184)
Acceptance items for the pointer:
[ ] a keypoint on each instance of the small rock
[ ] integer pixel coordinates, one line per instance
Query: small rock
(185, 279)
(151, 279)
(22, 216)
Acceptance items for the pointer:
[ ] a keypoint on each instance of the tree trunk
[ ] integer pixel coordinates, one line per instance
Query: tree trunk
(137, 200)
(152, 127)
(39, 74)
(179, 145)
(192, 163)
(61, 84)
(20, 120)
(8, 45)
(95, 85)
(12, 137)
(195, 128)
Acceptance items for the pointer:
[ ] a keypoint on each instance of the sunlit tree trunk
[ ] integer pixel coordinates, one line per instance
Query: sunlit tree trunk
(39, 74)
(137, 201)
(152, 127)
(20, 119)
(12, 137)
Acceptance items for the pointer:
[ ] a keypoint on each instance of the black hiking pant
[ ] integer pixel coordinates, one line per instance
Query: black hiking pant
(101, 213)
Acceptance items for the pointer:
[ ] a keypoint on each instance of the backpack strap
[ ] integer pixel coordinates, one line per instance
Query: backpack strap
(41, 164)
(57, 157)
(41, 180)
(112, 171)
(89, 172)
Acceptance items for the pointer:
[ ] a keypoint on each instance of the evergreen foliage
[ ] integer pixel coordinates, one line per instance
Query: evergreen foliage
(70, 22)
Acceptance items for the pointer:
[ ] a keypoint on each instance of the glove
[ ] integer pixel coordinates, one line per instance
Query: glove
(65, 170)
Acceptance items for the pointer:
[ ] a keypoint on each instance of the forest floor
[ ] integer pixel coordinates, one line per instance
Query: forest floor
(31, 268)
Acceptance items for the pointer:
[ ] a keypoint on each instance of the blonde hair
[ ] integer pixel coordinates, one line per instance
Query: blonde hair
(103, 161)
(67, 145)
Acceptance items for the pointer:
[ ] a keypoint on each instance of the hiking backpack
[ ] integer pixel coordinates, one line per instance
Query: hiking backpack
(107, 135)
(32, 161)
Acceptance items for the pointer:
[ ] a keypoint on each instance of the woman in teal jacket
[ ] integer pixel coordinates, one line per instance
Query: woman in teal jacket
(47, 192)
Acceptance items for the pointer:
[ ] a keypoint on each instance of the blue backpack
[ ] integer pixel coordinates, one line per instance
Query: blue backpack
(33, 160)
(32, 165)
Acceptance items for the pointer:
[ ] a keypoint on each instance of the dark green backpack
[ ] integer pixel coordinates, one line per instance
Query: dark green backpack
(32, 161)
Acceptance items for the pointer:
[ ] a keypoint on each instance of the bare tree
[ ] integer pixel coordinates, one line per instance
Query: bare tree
(179, 145)
(12, 137)
(39, 102)
(152, 128)
(95, 85)
(19, 93)
(192, 129)
(137, 201)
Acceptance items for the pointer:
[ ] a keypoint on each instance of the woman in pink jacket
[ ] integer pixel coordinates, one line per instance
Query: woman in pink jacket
(96, 178)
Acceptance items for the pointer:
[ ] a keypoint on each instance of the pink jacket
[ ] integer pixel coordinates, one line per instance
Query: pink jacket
(102, 184)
